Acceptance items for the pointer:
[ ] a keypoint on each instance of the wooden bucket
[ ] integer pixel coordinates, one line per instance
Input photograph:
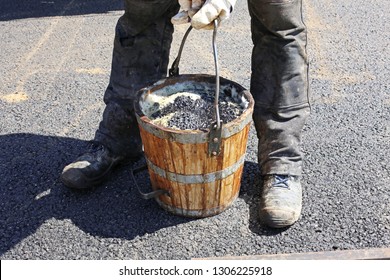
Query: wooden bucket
(196, 184)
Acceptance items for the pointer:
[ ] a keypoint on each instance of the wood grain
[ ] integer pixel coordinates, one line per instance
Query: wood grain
(198, 199)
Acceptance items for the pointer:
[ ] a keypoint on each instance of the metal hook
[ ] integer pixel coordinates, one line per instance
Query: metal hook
(149, 195)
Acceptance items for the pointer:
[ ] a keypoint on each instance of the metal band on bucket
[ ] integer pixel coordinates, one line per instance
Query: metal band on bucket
(196, 178)
(194, 212)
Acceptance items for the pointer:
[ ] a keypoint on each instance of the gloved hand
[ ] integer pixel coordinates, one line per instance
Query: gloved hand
(211, 10)
(187, 9)
(202, 13)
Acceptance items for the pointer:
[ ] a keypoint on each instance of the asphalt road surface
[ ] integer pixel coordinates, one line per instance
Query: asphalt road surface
(55, 64)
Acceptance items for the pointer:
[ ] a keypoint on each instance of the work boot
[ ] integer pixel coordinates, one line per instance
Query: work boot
(281, 200)
(90, 169)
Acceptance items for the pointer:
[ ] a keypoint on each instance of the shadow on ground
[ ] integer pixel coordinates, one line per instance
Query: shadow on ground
(32, 193)
(21, 9)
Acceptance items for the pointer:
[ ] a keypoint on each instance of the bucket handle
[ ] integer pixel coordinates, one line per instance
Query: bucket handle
(149, 195)
(215, 137)
(174, 70)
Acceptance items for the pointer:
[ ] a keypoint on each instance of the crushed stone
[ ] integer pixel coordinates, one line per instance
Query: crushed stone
(194, 111)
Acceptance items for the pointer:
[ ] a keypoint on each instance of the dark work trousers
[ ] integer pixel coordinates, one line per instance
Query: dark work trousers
(278, 83)
(142, 42)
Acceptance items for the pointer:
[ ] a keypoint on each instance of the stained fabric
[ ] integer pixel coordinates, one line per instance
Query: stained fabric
(278, 82)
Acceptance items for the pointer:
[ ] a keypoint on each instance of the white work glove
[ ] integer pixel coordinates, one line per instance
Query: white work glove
(203, 13)
(187, 9)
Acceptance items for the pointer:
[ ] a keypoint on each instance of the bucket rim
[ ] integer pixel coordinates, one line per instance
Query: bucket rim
(227, 128)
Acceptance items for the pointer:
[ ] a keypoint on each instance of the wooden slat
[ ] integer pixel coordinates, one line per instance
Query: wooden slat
(362, 254)
(217, 194)
(193, 158)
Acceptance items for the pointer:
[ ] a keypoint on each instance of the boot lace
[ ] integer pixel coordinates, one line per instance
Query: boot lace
(281, 181)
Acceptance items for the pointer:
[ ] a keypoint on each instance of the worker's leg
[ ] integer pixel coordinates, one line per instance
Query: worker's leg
(279, 85)
(140, 57)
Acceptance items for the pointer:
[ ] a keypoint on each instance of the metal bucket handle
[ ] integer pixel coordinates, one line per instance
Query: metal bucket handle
(149, 195)
(215, 136)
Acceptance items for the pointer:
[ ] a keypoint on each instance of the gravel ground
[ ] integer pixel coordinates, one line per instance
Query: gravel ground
(55, 64)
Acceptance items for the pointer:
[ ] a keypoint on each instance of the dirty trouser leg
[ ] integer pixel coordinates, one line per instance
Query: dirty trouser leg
(140, 57)
(279, 83)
